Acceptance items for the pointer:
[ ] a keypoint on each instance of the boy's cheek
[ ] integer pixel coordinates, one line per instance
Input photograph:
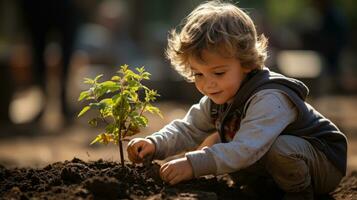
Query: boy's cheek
(199, 89)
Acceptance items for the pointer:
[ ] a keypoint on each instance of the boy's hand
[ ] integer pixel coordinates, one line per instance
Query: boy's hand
(139, 148)
(176, 171)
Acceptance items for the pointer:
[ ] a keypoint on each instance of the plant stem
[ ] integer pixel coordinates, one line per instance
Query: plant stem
(120, 144)
(121, 150)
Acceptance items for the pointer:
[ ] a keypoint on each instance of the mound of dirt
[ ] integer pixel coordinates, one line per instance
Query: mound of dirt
(100, 179)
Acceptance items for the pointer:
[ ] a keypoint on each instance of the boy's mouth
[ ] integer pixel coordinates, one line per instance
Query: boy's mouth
(215, 93)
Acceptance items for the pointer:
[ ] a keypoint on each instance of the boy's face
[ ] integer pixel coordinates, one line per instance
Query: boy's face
(217, 77)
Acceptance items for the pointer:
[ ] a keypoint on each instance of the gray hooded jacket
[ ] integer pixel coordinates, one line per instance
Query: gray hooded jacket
(269, 104)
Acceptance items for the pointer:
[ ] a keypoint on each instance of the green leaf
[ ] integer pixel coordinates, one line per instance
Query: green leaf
(99, 91)
(97, 106)
(104, 138)
(107, 101)
(111, 128)
(96, 139)
(150, 95)
(116, 78)
(134, 97)
(130, 75)
(109, 86)
(140, 70)
(121, 108)
(84, 110)
(104, 107)
(93, 122)
(141, 121)
(153, 109)
(123, 69)
(88, 81)
(133, 85)
(146, 75)
(84, 95)
(98, 77)
(115, 97)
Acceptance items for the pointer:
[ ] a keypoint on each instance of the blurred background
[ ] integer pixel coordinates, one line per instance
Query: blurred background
(47, 47)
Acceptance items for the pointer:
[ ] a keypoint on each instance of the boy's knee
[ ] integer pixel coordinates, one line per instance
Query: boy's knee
(282, 147)
(286, 166)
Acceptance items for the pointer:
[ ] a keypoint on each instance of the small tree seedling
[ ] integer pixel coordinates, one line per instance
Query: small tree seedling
(120, 103)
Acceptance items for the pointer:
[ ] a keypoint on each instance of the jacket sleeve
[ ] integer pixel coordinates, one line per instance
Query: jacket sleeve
(184, 134)
(267, 115)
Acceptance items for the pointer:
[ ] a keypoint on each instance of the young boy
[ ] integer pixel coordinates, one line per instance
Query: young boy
(265, 125)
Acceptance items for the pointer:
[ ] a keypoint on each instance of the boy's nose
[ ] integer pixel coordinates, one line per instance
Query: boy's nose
(209, 84)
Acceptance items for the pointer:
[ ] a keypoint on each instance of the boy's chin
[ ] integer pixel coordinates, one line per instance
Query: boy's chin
(218, 101)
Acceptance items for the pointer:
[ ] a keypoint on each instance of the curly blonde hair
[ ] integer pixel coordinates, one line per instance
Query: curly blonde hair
(219, 27)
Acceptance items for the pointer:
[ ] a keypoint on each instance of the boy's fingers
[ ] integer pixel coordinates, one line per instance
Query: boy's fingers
(143, 151)
(162, 168)
(130, 143)
(133, 154)
(131, 150)
(175, 180)
(138, 150)
(171, 175)
(165, 172)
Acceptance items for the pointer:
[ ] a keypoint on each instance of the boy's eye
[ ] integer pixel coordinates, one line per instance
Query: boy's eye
(219, 73)
(196, 74)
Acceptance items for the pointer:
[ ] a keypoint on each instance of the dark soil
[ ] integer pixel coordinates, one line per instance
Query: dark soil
(100, 179)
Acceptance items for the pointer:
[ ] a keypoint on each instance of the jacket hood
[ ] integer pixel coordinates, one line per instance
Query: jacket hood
(262, 79)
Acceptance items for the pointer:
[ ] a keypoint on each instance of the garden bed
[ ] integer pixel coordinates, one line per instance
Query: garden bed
(100, 179)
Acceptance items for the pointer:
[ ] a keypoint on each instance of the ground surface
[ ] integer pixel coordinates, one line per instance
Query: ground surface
(32, 159)
(77, 179)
